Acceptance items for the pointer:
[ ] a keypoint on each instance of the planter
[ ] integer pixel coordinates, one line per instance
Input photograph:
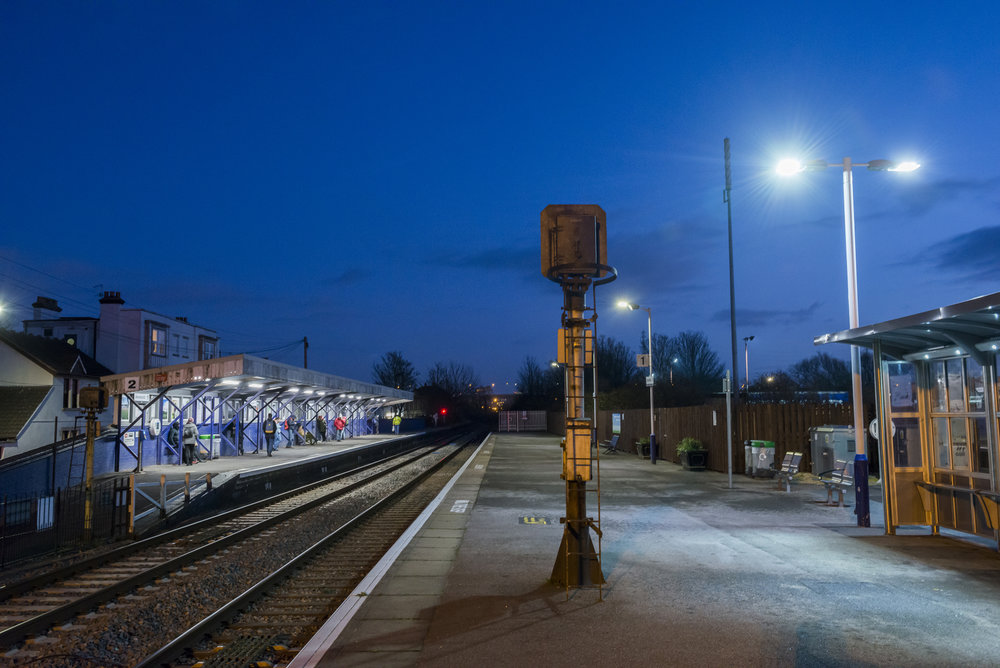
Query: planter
(694, 460)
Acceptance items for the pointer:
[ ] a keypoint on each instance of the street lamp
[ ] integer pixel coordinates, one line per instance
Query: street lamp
(649, 378)
(788, 167)
(746, 355)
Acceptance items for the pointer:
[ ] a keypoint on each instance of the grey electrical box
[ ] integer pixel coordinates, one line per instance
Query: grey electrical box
(831, 443)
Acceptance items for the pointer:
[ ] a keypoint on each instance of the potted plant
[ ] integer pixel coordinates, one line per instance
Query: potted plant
(694, 456)
(642, 447)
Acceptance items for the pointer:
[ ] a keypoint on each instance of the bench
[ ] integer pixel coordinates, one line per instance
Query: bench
(610, 447)
(840, 478)
(789, 467)
(990, 501)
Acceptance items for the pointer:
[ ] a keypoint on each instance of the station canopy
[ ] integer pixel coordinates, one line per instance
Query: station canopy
(968, 328)
(248, 377)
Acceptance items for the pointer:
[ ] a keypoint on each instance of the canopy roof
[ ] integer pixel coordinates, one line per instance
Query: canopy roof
(246, 375)
(968, 328)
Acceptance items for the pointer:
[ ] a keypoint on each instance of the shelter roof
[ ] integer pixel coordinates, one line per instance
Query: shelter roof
(54, 355)
(247, 376)
(17, 404)
(968, 328)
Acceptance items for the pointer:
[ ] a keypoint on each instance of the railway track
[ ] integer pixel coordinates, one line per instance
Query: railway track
(269, 623)
(123, 605)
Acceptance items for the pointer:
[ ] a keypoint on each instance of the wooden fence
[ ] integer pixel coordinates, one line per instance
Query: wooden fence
(786, 424)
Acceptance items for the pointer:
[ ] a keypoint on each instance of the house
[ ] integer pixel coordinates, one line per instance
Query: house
(39, 394)
(125, 339)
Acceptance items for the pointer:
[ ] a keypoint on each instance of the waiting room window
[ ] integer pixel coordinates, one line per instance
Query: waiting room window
(208, 348)
(958, 419)
(157, 341)
(904, 409)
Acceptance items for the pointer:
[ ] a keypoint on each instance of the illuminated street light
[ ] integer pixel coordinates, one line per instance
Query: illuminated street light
(788, 167)
(746, 355)
(649, 379)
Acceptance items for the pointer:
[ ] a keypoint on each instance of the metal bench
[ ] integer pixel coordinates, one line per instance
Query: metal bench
(611, 446)
(840, 478)
(789, 467)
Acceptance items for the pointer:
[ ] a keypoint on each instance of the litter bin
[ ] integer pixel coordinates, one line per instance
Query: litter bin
(763, 457)
(748, 457)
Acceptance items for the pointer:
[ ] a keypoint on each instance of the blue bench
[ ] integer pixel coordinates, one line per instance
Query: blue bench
(610, 447)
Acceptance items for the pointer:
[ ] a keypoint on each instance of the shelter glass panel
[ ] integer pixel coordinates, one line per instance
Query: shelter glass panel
(956, 388)
(959, 444)
(941, 448)
(906, 442)
(975, 385)
(939, 388)
(902, 387)
(980, 445)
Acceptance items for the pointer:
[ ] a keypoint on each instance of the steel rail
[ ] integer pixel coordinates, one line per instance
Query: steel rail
(184, 642)
(16, 588)
(42, 622)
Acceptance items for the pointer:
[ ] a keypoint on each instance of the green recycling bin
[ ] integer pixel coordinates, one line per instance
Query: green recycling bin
(763, 458)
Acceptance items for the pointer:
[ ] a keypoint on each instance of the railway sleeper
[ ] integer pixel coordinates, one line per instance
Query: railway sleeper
(240, 652)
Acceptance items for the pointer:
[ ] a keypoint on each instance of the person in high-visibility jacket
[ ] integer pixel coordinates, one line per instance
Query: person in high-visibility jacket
(396, 421)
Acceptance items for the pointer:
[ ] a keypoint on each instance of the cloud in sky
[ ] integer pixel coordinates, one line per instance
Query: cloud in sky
(974, 255)
(762, 317)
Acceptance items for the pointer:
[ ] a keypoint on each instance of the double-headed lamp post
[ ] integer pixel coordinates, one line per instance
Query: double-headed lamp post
(649, 379)
(789, 167)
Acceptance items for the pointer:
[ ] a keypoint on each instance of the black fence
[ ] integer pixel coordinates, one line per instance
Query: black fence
(32, 526)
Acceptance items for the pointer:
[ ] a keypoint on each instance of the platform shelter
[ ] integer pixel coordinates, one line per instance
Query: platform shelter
(937, 401)
(229, 399)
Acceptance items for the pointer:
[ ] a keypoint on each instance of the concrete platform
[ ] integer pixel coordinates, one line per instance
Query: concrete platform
(240, 478)
(697, 574)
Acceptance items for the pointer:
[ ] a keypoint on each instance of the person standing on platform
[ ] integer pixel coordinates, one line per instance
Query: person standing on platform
(174, 437)
(190, 442)
(339, 425)
(396, 421)
(290, 430)
(320, 427)
(270, 429)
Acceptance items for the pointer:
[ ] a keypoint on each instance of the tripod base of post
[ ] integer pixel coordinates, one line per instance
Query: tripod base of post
(576, 567)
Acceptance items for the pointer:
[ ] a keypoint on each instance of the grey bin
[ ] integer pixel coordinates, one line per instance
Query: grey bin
(829, 444)
(762, 453)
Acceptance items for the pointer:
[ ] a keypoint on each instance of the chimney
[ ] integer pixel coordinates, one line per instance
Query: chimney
(44, 308)
(110, 342)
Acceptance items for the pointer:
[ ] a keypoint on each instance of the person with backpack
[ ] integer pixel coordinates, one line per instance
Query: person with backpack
(339, 425)
(270, 429)
(173, 435)
(190, 442)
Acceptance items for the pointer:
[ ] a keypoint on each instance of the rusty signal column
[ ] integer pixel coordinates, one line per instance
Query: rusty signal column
(573, 255)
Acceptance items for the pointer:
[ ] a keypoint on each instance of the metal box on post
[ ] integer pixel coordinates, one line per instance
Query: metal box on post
(829, 444)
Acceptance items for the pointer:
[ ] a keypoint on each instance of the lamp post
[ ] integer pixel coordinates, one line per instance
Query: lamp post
(788, 167)
(649, 379)
(746, 356)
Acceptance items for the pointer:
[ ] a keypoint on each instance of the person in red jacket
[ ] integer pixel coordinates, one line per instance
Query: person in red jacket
(339, 425)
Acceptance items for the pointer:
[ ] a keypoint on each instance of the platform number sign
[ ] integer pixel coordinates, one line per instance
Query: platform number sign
(130, 384)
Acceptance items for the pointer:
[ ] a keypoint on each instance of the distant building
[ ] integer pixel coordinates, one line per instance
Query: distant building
(125, 339)
(40, 390)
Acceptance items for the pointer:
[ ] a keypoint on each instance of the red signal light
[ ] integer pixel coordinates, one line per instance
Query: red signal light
(444, 411)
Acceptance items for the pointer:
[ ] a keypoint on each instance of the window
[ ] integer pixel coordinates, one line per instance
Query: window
(71, 387)
(207, 348)
(157, 341)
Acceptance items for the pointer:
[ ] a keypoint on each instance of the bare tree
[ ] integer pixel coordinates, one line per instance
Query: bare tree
(821, 372)
(698, 366)
(393, 370)
(615, 364)
(454, 378)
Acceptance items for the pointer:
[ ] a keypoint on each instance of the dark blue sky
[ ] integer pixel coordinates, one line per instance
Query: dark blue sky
(370, 175)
